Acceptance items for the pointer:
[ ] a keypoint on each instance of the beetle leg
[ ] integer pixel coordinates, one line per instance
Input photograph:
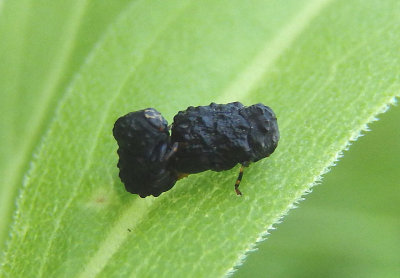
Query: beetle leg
(239, 179)
(171, 152)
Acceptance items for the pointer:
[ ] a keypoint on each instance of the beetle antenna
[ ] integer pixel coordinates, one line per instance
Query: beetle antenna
(239, 179)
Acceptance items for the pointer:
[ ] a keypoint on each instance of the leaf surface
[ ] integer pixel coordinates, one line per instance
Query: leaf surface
(325, 67)
(42, 47)
(348, 226)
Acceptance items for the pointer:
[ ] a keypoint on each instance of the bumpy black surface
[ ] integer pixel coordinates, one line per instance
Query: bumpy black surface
(143, 140)
(218, 136)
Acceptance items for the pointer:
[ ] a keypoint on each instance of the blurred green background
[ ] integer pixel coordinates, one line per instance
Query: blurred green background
(349, 226)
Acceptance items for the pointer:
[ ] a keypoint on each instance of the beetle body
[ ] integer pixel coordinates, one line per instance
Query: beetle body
(144, 144)
(219, 136)
(215, 137)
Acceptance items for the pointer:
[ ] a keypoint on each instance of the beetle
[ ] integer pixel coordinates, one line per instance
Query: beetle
(144, 151)
(219, 136)
(214, 137)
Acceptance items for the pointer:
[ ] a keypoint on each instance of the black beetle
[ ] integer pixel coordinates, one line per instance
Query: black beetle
(219, 136)
(214, 137)
(144, 150)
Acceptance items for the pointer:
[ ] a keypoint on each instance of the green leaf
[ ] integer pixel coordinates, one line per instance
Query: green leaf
(348, 227)
(42, 46)
(325, 67)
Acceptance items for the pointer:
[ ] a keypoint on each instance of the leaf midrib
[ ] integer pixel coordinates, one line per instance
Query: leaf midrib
(101, 125)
